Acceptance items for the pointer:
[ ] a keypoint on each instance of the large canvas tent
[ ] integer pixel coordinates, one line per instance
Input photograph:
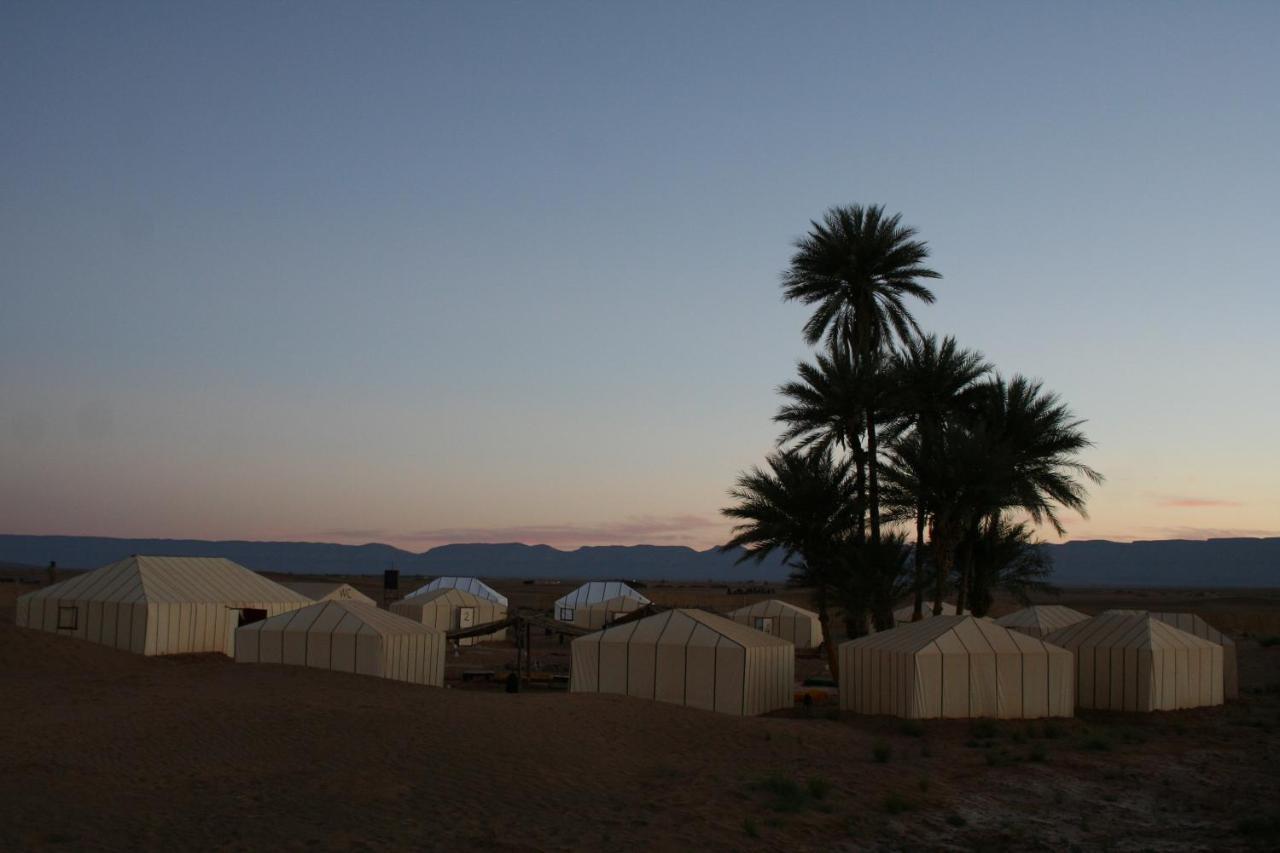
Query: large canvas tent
(475, 586)
(1193, 624)
(688, 657)
(783, 620)
(451, 609)
(903, 614)
(593, 592)
(1041, 619)
(598, 614)
(955, 667)
(158, 605)
(1134, 662)
(320, 591)
(347, 637)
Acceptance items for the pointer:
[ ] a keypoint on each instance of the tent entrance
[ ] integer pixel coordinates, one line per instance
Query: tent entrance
(764, 623)
(249, 615)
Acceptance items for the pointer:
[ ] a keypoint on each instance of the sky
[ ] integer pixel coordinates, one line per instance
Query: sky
(423, 273)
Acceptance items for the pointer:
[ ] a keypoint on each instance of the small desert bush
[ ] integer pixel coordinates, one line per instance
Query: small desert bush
(1260, 826)
(896, 803)
(1095, 743)
(750, 828)
(984, 729)
(1000, 757)
(881, 752)
(956, 820)
(819, 787)
(912, 728)
(1052, 730)
(1268, 642)
(1039, 753)
(787, 795)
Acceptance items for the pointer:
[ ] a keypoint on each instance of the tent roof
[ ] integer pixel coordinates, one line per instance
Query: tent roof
(351, 615)
(1124, 630)
(680, 623)
(453, 595)
(596, 591)
(1046, 617)
(773, 607)
(974, 634)
(475, 586)
(172, 580)
(319, 589)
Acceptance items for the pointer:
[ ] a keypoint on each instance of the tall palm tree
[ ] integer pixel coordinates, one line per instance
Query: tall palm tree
(931, 381)
(1006, 558)
(858, 267)
(874, 578)
(801, 505)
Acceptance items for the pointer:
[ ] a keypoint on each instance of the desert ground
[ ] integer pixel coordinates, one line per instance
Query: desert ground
(108, 750)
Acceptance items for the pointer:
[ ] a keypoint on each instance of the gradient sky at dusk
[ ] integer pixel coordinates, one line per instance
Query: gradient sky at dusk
(422, 273)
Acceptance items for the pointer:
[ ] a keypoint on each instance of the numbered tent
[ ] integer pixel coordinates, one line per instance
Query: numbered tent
(449, 609)
(1041, 619)
(955, 667)
(475, 586)
(347, 637)
(158, 605)
(318, 591)
(1131, 661)
(596, 593)
(687, 657)
(782, 619)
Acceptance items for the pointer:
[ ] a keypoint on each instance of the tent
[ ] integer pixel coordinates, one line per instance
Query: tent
(451, 609)
(594, 592)
(475, 586)
(598, 614)
(1040, 619)
(903, 614)
(330, 592)
(1193, 624)
(1134, 662)
(158, 605)
(687, 657)
(955, 667)
(783, 620)
(347, 637)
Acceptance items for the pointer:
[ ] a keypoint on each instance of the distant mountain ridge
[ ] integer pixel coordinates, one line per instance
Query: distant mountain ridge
(1173, 563)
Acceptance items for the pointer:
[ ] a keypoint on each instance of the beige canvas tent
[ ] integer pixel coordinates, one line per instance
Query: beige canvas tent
(475, 586)
(595, 593)
(158, 605)
(1133, 662)
(1196, 626)
(1041, 619)
(688, 657)
(347, 637)
(452, 609)
(903, 614)
(598, 614)
(783, 620)
(955, 667)
(318, 591)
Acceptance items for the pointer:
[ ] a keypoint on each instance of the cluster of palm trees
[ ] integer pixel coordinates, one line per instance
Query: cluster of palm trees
(889, 431)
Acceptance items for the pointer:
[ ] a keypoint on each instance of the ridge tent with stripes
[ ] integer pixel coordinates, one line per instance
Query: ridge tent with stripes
(782, 619)
(452, 609)
(1131, 661)
(598, 614)
(594, 592)
(475, 586)
(322, 591)
(687, 657)
(155, 605)
(345, 636)
(955, 667)
(1041, 619)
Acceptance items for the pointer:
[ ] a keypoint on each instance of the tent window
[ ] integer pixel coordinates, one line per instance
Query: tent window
(566, 614)
(764, 623)
(68, 618)
(249, 615)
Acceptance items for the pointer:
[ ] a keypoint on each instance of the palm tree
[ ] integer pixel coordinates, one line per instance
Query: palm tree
(1006, 558)
(873, 578)
(857, 267)
(802, 506)
(931, 381)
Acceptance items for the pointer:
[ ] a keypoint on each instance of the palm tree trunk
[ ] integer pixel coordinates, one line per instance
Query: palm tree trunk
(917, 611)
(828, 641)
(854, 438)
(873, 479)
(942, 557)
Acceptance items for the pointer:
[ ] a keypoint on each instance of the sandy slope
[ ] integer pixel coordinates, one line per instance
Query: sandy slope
(106, 750)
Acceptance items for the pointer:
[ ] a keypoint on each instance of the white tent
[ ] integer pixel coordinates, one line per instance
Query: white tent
(1041, 619)
(1133, 662)
(688, 657)
(347, 637)
(475, 586)
(329, 591)
(782, 619)
(452, 609)
(1196, 626)
(955, 667)
(158, 605)
(593, 592)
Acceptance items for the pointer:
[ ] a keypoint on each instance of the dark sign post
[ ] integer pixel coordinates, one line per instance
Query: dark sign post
(390, 584)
